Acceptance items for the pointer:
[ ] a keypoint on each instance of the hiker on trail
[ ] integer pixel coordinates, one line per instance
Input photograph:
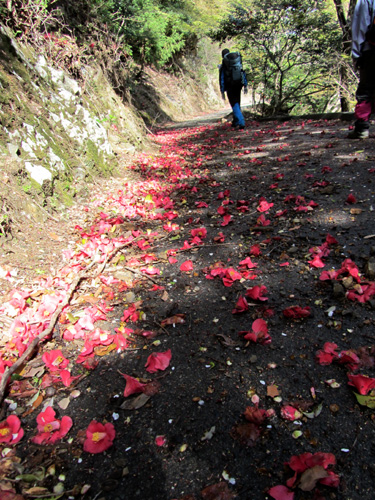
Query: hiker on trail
(232, 78)
(363, 53)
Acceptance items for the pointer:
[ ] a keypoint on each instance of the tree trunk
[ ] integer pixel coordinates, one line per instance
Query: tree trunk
(344, 101)
(345, 26)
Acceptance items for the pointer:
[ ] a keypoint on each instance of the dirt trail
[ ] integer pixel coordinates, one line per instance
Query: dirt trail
(222, 266)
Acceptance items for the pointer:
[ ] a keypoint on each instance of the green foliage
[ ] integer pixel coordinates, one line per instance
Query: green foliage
(292, 51)
(155, 32)
(3, 9)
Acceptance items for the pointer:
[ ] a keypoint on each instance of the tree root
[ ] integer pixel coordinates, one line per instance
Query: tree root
(30, 349)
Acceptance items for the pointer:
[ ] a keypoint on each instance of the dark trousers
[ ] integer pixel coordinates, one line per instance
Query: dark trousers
(234, 98)
(366, 90)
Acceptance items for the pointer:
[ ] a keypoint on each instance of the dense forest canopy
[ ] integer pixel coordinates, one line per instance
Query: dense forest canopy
(296, 53)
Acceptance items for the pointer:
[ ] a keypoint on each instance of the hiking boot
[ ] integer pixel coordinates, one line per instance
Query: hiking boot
(358, 134)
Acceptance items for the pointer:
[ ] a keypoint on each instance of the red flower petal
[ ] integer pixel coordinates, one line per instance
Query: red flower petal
(316, 262)
(297, 312)
(186, 266)
(264, 206)
(226, 220)
(290, 413)
(257, 293)
(362, 383)
(158, 361)
(241, 306)
(281, 492)
(259, 326)
(160, 440)
(255, 250)
(133, 386)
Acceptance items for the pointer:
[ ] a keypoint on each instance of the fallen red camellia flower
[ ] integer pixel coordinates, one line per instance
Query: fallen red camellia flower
(230, 276)
(300, 463)
(327, 354)
(351, 199)
(50, 429)
(241, 305)
(255, 250)
(158, 361)
(186, 266)
(264, 206)
(55, 360)
(10, 430)
(257, 293)
(362, 383)
(297, 312)
(350, 359)
(201, 232)
(133, 386)
(316, 262)
(257, 415)
(262, 221)
(259, 332)
(99, 437)
(248, 263)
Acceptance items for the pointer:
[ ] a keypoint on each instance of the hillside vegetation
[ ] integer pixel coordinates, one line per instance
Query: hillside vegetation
(80, 92)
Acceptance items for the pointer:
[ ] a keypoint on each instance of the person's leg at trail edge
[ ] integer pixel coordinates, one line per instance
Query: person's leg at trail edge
(364, 96)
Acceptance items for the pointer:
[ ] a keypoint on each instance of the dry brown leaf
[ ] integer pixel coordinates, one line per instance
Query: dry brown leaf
(165, 296)
(356, 211)
(152, 388)
(37, 402)
(54, 236)
(36, 491)
(272, 391)
(218, 491)
(86, 298)
(247, 433)
(8, 463)
(22, 389)
(174, 320)
(136, 403)
(104, 349)
(225, 340)
(9, 492)
(36, 371)
(311, 476)
(64, 403)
